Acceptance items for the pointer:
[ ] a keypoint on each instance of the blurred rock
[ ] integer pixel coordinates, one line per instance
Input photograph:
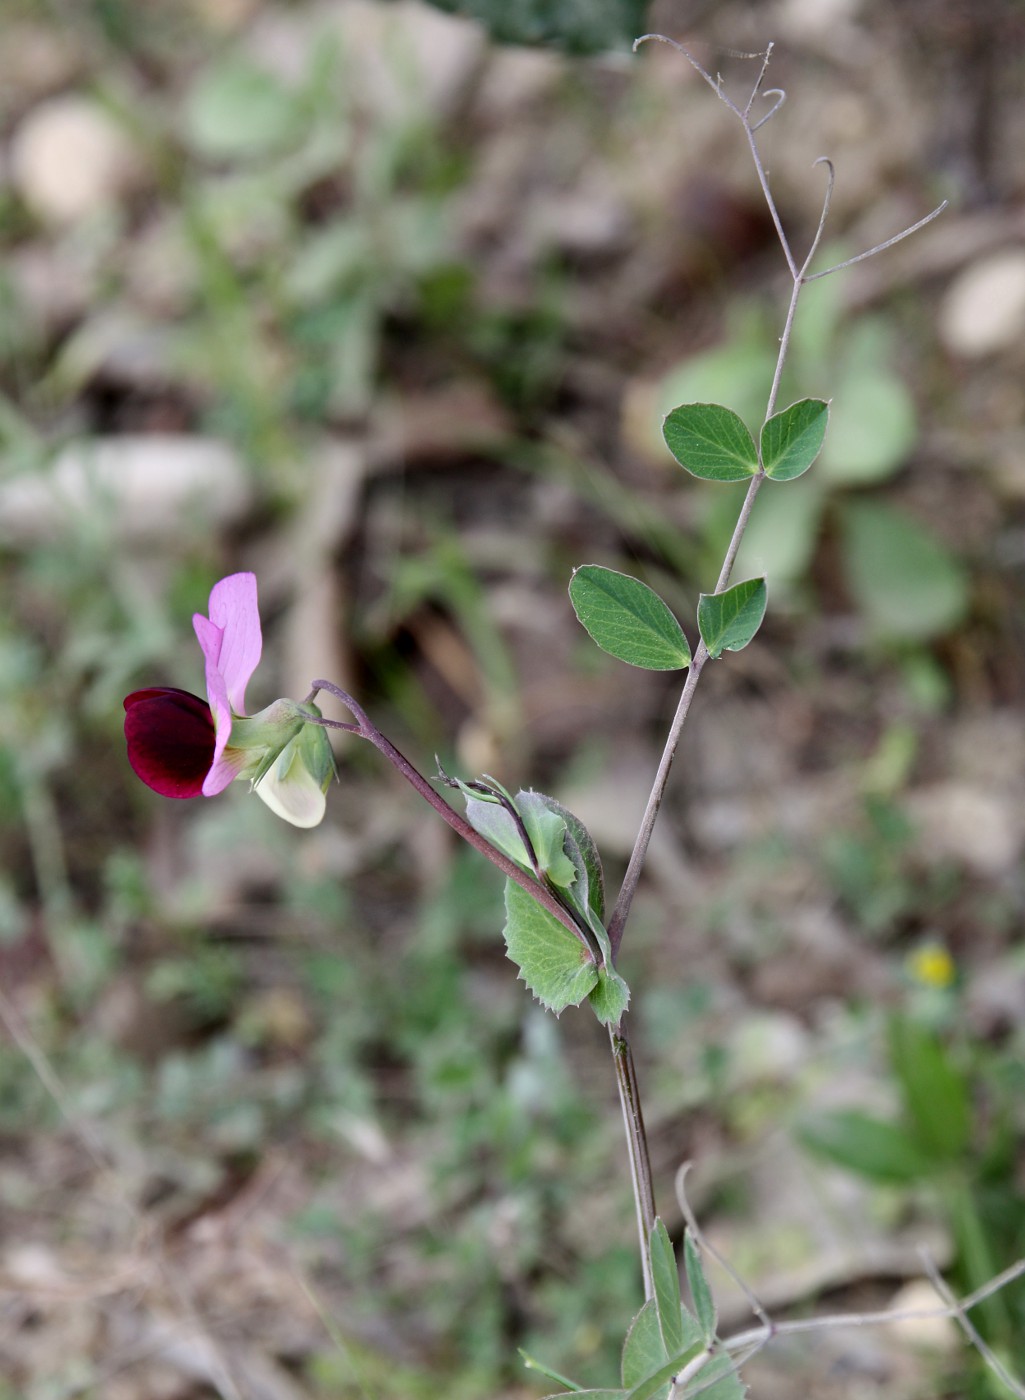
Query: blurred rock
(983, 311)
(976, 827)
(397, 58)
(70, 158)
(769, 1045)
(995, 996)
(51, 286)
(818, 19)
(517, 79)
(147, 487)
(35, 59)
(927, 1333)
(409, 48)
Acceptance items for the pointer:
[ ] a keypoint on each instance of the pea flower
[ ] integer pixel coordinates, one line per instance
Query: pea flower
(182, 746)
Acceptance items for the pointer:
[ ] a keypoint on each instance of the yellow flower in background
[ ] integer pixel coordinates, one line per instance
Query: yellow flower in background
(932, 966)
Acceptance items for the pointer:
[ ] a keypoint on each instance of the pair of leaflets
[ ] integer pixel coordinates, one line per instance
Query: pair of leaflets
(628, 619)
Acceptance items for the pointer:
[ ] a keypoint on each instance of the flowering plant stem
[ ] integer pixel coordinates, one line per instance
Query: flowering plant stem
(640, 1162)
(366, 729)
(546, 897)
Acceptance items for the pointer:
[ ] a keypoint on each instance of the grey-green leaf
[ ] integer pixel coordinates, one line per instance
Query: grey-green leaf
(610, 997)
(729, 620)
(704, 1303)
(643, 1351)
(710, 442)
(791, 440)
(628, 619)
(665, 1278)
(546, 829)
(579, 843)
(497, 825)
(553, 962)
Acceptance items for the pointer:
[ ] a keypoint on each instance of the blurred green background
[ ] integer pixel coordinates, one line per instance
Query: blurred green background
(386, 303)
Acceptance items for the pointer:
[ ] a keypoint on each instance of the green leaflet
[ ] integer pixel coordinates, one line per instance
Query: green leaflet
(729, 620)
(628, 619)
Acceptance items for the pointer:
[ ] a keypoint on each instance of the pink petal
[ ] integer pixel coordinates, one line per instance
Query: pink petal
(232, 643)
(235, 652)
(211, 640)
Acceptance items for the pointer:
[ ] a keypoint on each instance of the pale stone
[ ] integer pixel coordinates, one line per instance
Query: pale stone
(145, 486)
(812, 18)
(69, 158)
(407, 53)
(767, 1046)
(977, 827)
(983, 311)
(935, 1333)
(35, 59)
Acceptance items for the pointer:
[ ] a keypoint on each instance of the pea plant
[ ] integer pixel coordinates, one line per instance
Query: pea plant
(560, 930)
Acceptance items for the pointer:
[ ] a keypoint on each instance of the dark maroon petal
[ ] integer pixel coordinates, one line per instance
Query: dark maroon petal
(170, 736)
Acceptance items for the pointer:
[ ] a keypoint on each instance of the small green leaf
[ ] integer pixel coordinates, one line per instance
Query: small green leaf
(643, 1351)
(610, 997)
(791, 440)
(578, 844)
(628, 619)
(553, 962)
(936, 1095)
(665, 1278)
(710, 442)
(729, 620)
(497, 825)
(866, 1145)
(704, 1303)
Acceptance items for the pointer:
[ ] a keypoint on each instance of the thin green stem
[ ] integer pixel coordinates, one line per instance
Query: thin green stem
(637, 1144)
(635, 866)
(366, 729)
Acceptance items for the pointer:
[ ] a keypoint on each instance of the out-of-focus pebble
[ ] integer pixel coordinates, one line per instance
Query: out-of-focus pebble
(928, 1333)
(147, 487)
(69, 158)
(957, 821)
(983, 311)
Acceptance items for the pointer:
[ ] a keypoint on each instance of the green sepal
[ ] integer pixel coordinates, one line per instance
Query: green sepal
(610, 997)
